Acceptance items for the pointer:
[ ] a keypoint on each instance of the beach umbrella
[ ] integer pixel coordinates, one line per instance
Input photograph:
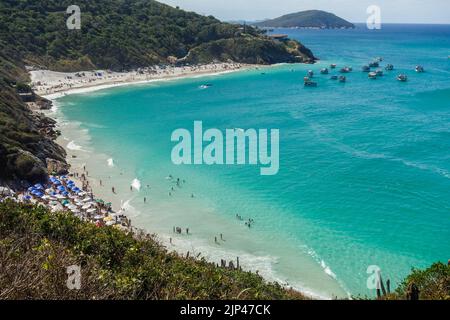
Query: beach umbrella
(70, 182)
(27, 197)
(39, 194)
(82, 194)
(65, 193)
(110, 223)
(97, 217)
(86, 206)
(86, 199)
(60, 196)
(39, 186)
(45, 197)
(61, 188)
(30, 189)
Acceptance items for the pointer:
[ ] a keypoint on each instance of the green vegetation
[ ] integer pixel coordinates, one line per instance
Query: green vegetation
(307, 19)
(119, 34)
(37, 246)
(433, 283)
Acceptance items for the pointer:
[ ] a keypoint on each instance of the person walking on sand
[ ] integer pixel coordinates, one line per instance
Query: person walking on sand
(113, 190)
(145, 199)
(215, 239)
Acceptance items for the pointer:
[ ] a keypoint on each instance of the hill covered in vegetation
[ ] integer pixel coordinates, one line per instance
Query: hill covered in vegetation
(307, 19)
(36, 247)
(119, 34)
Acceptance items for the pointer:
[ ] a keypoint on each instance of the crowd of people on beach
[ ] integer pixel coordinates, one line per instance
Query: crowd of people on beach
(61, 194)
(61, 82)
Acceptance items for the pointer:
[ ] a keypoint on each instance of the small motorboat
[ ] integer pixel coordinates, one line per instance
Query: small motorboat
(379, 59)
(402, 78)
(366, 68)
(345, 70)
(389, 67)
(310, 73)
(333, 66)
(308, 83)
(379, 72)
(372, 75)
(334, 77)
(420, 69)
(342, 79)
(205, 86)
(324, 71)
(374, 64)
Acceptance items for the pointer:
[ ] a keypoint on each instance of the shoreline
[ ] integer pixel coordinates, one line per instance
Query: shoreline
(53, 85)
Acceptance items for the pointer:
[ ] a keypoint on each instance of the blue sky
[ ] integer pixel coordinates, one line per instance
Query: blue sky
(392, 11)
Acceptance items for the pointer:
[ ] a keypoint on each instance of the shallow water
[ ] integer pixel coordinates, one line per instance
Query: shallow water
(364, 166)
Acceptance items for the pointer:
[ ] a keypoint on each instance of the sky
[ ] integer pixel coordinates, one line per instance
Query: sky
(392, 11)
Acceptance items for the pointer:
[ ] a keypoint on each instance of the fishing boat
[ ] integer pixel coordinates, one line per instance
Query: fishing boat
(402, 78)
(324, 71)
(389, 67)
(342, 79)
(333, 66)
(420, 69)
(379, 72)
(372, 75)
(366, 68)
(334, 77)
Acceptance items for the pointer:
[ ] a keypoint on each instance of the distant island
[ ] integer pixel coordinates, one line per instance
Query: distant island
(308, 19)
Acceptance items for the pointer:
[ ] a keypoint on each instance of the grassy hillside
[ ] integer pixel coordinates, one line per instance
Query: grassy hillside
(307, 19)
(37, 246)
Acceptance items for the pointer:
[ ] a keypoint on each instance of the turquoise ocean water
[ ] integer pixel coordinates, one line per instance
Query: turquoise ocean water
(364, 166)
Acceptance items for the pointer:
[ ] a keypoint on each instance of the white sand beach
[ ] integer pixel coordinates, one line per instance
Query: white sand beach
(52, 84)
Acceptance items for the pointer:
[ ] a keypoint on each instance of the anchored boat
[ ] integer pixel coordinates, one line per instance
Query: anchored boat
(402, 78)
(389, 67)
(420, 69)
(324, 71)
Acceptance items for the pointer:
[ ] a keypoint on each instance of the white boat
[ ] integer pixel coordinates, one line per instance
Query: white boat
(372, 75)
(402, 78)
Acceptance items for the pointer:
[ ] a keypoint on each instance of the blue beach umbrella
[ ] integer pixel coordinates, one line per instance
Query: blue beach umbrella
(27, 197)
(65, 193)
(61, 188)
(39, 186)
